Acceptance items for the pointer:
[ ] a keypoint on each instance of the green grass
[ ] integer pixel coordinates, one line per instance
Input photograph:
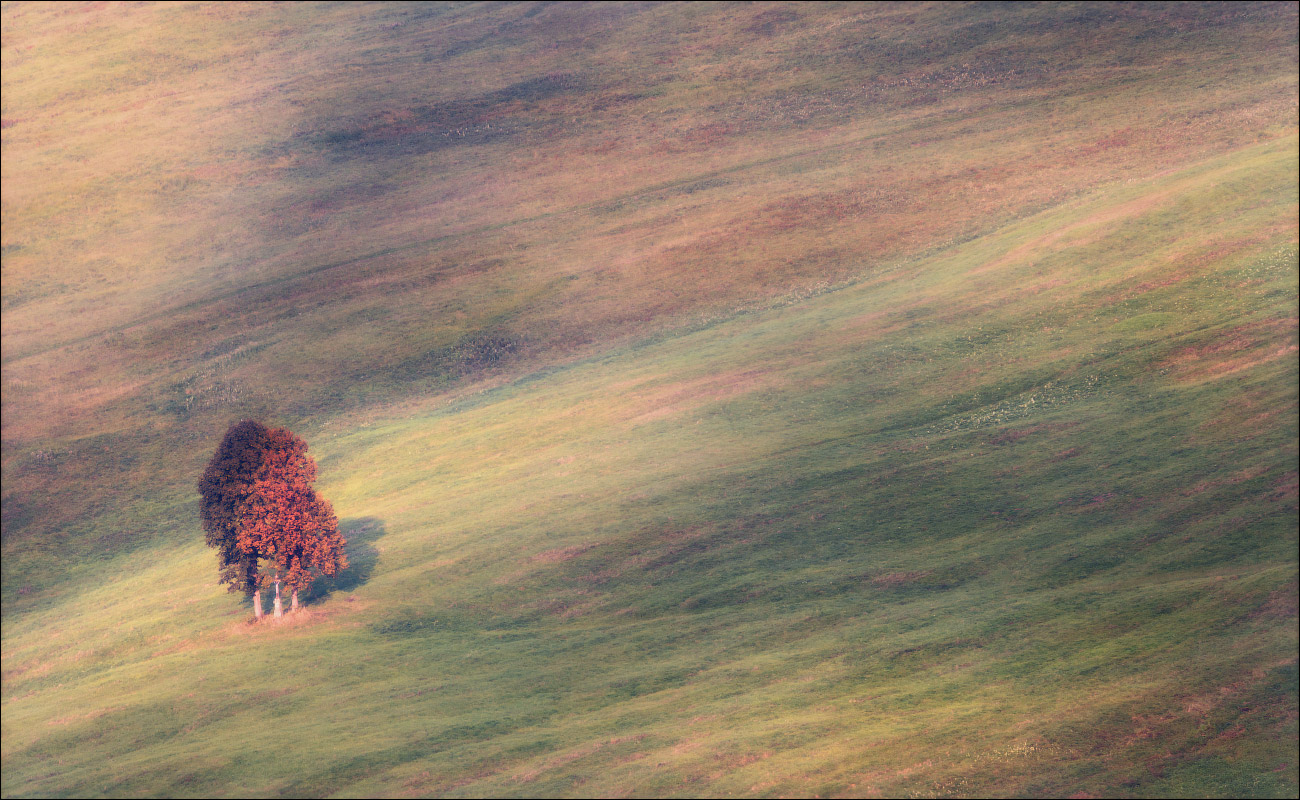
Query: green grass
(828, 415)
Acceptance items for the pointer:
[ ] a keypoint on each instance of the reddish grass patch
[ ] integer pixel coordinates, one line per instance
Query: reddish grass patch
(1241, 348)
(896, 580)
(1240, 476)
(83, 717)
(1287, 487)
(1013, 435)
(681, 396)
(1061, 239)
(1097, 501)
(560, 554)
(556, 762)
(1281, 603)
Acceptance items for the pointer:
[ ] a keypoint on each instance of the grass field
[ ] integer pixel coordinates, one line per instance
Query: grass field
(775, 400)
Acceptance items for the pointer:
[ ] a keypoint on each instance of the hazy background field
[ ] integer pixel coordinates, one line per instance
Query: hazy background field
(774, 399)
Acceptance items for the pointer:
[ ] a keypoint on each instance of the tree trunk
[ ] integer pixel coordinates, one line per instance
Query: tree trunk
(279, 608)
(293, 606)
(257, 604)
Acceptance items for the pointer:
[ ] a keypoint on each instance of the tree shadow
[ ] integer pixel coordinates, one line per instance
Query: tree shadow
(360, 533)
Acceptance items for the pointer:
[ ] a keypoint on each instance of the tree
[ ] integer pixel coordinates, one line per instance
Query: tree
(285, 522)
(258, 505)
(318, 547)
(223, 492)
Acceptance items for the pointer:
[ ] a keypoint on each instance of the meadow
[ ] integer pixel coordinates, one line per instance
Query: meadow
(772, 400)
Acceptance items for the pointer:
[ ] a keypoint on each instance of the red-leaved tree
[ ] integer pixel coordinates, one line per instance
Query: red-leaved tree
(223, 491)
(285, 522)
(318, 549)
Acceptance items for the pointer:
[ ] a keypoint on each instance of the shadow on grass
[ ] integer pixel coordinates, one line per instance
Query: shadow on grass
(360, 533)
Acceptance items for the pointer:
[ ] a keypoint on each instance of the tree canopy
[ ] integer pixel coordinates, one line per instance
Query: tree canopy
(261, 513)
(223, 491)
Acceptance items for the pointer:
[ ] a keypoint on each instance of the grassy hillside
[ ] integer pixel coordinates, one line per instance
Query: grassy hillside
(767, 400)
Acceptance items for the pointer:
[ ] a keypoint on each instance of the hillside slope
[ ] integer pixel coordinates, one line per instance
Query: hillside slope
(770, 400)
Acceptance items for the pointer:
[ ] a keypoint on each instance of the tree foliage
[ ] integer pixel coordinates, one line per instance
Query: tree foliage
(223, 492)
(284, 520)
(258, 505)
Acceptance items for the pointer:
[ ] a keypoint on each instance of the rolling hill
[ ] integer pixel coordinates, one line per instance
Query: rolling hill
(774, 400)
